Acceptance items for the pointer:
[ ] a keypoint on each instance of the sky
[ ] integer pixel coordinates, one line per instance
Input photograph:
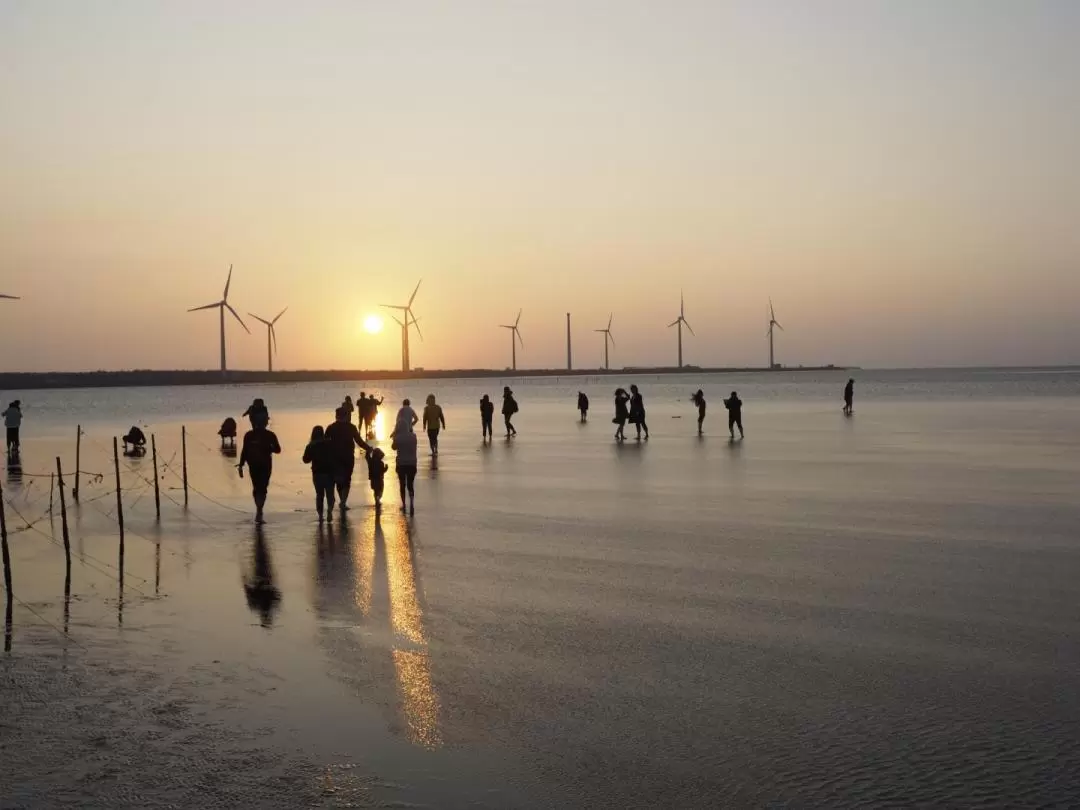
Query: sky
(901, 178)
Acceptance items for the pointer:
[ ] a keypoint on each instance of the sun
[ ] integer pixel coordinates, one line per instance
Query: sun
(373, 324)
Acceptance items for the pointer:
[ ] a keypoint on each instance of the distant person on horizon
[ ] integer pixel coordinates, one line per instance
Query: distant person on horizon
(406, 418)
(13, 422)
(343, 435)
(433, 421)
(622, 413)
(637, 412)
(699, 400)
(509, 408)
(583, 405)
(361, 413)
(405, 445)
(487, 416)
(371, 413)
(260, 447)
(849, 397)
(734, 416)
(377, 468)
(319, 453)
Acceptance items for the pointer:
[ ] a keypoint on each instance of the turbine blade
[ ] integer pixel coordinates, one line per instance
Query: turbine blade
(611, 337)
(414, 292)
(518, 319)
(399, 323)
(674, 322)
(518, 333)
(11, 297)
(208, 306)
(687, 323)
(418, 332)
(772, 312)
(682, 304)
(279, 315)
(228, 281)
(394, 306)
(611, 317)
(778, 326)
(241, 320)
(260, 320)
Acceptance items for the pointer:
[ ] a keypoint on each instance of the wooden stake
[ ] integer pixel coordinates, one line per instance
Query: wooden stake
(4, 543)
(119, 507)
(63, 511)
(157, 488)
(183, 448)
(78, 453)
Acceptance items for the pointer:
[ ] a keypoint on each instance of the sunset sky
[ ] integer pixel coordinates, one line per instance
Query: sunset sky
(903, 178)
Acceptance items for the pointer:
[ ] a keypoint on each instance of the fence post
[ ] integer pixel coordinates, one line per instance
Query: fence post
(157, 489)
(52, 488)
(119, 507)
(78, 454)
(63, 511)
(4, 543)
(183, 450)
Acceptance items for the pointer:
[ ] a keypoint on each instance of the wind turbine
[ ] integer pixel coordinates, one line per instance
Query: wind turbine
(772, 322)
(221, 306)
(410, 320)
(681, 322)
(607, 337)
(271, 335)
(515, 337)
(405, 338)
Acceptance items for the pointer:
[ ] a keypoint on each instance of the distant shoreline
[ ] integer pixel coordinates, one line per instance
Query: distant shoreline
(31, 381)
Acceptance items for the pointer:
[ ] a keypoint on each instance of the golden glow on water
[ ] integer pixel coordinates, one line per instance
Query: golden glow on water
(380, 425)
(364, 554)
(412, 666)
(418, 698)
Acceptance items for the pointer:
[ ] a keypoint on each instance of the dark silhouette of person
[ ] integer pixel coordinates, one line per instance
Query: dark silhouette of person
(509, 408)
(348, 406)
(433, 421)
(637, 412)
(227, 432)
(259, 448)
(343, 435)
(487, 415)
(371, 413)
(362, 413)
(13, 422)
(622, 413)
(263, 596)
(734, 416)
(137, 439)
(319, 453)
(849, 397)
(583, 406)
(405, 444)
(377, 468)
(256, 407)
(699, 400)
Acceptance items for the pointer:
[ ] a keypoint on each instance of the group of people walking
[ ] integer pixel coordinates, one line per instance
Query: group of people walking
(331, 450)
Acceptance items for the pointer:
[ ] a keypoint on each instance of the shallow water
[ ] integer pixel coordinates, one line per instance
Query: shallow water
(875, 610)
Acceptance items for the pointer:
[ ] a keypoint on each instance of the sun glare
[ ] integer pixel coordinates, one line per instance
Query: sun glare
(373, 324)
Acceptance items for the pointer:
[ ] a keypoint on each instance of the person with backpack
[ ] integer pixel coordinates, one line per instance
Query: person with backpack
(405, 445)
(487, 416)
(509, 408)
(319, 453)
(734, 409)
(583, 406)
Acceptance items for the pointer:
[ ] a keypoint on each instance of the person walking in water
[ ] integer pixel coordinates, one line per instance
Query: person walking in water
(260, 447)
(734, 414)
(699, 400)
(348, 406)
(509, 408)
(433, 421)
(622, 413)
(406, 418)
(342, 435)
(377, 475)
(487, 416)
(849, 397)
(361, 413)
(13, 422)
(319, 453)
(371, 414)
(637, 412)
(583, 405)
(405, 445)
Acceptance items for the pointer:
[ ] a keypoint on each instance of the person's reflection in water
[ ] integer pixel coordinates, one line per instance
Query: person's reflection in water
(263, 597)
(14, 471)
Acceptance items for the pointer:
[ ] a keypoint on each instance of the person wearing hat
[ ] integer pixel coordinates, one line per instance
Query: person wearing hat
(13, 421)
(509, 408)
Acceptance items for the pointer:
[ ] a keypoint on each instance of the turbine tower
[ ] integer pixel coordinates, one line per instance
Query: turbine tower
(607, 338)
(405, 337)
(515, 337)
(409, 320)
(681, 322)
(221, 306)
(271, 336)
(772, 323)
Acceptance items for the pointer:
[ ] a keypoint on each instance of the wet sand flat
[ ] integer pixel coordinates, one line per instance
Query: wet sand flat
(879, 610)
